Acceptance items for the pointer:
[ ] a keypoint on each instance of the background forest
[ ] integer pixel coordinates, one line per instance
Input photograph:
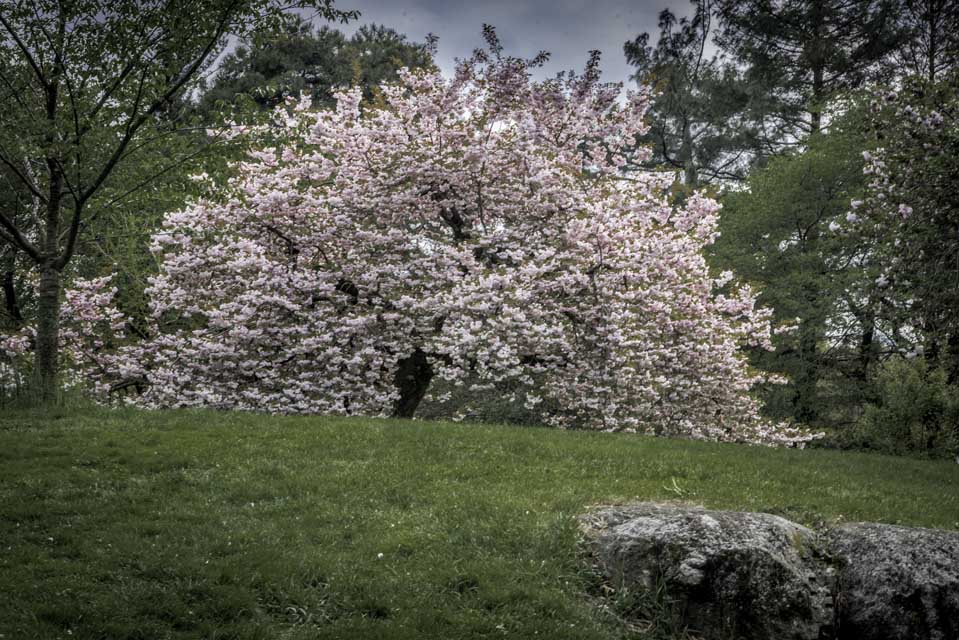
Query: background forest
(826, 128)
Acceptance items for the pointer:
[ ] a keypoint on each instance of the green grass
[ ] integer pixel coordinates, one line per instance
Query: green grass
(219, 525)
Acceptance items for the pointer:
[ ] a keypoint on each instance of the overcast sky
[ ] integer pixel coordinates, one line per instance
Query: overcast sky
(568, 29)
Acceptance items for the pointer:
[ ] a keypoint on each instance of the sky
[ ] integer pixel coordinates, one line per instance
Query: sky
(568, 29)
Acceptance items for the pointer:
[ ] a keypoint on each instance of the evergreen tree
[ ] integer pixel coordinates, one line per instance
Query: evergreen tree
(809, 51)
(776, 233)
(269, 67)
(700, 120)
(932, 44)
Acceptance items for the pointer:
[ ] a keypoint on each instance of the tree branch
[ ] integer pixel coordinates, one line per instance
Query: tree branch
(26, 182)
(26, 52)
(18, 238)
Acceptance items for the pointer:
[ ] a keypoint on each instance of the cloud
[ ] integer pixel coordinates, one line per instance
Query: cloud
(568, 29)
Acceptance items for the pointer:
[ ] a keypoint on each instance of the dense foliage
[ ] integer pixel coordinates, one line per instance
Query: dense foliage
(477, 227)
(776, 232)
(82, 83)
(704, 119)
(808, 52)
(909, 217)
(481, 238)
(915, 410)
(836, 251)
(271, 66)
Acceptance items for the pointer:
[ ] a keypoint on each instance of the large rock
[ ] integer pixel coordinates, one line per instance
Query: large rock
(726, 574)
(897, 583)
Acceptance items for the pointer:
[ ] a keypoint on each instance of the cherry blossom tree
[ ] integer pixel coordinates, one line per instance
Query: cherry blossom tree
(478, 229)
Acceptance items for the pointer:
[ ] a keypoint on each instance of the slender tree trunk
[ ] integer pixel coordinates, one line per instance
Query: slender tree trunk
(689, 162)
(804, 402)
(930, 344)
(47, 354)
(817, 59)
(412, 379)
(10, 301)
(932, 50)
(47, 366)
(815, 115)
(866, 341)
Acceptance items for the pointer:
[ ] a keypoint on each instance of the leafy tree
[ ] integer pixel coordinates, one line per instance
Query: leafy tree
(701, 120)
(910, 216)
(80, 82)
(808, 51)
(450, 230)
(131, 206)
(271, 66)
(775, 233)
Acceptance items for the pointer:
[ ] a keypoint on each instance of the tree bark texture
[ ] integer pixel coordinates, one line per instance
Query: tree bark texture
(412, 380)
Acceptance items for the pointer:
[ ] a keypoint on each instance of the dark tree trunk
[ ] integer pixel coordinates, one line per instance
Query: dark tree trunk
(930, 344)
(818, 91)
(952, 365)
(47, 362)
(805, 407)
(412, 380)
(48, 334)
(10, 301)
(817, 59)
(866, 342)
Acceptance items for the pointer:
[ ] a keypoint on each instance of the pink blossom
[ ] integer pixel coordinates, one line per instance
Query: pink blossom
(454, 219)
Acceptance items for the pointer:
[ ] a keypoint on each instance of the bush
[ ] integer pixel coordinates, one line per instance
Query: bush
(917, 411)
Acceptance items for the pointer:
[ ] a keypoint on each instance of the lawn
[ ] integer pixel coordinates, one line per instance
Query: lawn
(222, 525)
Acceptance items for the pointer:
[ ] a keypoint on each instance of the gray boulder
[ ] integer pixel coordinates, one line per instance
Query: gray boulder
(896, 583)
(724, 574)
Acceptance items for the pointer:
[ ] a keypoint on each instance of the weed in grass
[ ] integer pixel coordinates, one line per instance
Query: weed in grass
(649, 614)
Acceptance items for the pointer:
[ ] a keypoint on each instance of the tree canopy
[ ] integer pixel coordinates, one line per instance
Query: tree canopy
(452, 230)
(82, 82)
(703, 119)
(270, 66)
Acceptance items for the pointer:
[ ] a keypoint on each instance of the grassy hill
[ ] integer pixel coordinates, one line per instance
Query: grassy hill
(221, 525)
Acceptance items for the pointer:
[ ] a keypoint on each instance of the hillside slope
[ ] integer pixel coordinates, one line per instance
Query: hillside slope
(200, 524)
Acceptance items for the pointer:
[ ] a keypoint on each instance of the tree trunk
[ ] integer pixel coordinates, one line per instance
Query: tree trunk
(818, 63)
(10, 302)
(866, 342)
(805, 408)
(412, 379)
(930, 344)
(47, 365)
(952, 360)
(815, 116)
(932, 51)
(686, 156)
